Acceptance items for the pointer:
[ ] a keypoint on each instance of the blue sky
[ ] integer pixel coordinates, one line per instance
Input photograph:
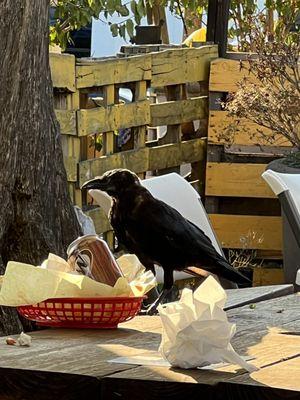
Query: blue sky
(103, 44)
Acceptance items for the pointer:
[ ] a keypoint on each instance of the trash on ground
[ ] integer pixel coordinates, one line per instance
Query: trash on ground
(11, 341)
(24, 340)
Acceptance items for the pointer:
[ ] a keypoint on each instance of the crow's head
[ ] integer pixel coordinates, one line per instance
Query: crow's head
(113, 182)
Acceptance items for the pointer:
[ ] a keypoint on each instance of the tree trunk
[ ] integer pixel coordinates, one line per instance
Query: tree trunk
(36, 214)
(159, 15)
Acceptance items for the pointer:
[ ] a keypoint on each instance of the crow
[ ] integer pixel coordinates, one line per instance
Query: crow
(156, 232)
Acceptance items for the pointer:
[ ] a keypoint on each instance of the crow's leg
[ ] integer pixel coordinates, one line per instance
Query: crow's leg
(167, 288)
(153, 294)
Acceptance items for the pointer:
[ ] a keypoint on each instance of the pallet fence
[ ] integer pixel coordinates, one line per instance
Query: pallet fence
(90, 110)
(88, 106)
(243, 210)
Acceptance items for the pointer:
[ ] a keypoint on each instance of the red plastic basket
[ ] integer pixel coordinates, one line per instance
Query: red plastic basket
(101, 312)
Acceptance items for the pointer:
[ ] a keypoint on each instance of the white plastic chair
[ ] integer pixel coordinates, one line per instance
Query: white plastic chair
(287, 189)
(178, 193)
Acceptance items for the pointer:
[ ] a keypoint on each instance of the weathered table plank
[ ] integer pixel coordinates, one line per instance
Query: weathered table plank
(73, 364)
(259, 334)
(240, 297)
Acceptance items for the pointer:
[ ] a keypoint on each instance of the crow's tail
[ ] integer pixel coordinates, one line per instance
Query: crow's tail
(227, 271)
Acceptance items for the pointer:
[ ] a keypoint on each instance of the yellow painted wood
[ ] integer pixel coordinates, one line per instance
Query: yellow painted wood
(75, 194)
(176, 112)
(114, 117)
(77, 197)
(63, 71)
(73, 100)
(145, 159)
(236, 180)
(67, 121)
(109, 137)
(113, 70)
(242, 131)
(70, 164)
(225, 74)
(71, 153)
(171, 67)
(140, 132)
(248, 231)
(267, 276)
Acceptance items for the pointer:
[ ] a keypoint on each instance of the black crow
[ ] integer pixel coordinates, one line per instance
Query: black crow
(156, 232)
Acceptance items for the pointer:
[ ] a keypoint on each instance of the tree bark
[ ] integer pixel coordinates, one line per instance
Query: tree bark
(36, 214)
(159, 14)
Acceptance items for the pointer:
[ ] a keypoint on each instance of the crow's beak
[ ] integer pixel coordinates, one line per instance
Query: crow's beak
(96, 183)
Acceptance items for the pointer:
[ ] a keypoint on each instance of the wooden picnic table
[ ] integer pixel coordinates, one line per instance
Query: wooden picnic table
(75, 364)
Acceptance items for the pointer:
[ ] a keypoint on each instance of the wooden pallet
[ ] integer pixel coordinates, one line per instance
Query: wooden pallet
(66, 102)
(243, 210)
(82, 119)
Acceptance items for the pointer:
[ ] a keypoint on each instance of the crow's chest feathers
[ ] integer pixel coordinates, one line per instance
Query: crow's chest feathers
(121, 214)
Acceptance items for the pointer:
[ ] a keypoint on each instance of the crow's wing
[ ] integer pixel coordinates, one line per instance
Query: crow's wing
(163, 234)
(156, 226)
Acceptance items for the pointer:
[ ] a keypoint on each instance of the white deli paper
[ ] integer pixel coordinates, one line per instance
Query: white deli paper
(196, 331)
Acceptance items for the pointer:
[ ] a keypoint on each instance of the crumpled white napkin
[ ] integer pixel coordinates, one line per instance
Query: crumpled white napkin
(196, 331)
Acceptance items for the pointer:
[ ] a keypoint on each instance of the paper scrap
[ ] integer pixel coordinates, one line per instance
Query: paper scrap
(155, 360)
(25, 284)
(196, 331)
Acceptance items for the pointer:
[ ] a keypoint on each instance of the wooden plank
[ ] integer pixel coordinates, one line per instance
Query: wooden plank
(236, 180)
(140, 133)
(180, 111)
(268, 276)
(76, 358)
(73, 364)
(267, 346)
(71, 153)
(282, 375)
(241, 297)
(109, 137)
(225, 74)
(112, 70)
(171, 67)
(174, 131)
(145, 159)
(63, 71)
(67, 121)
(241, 131)
(111, 118)
(248, 231)
(109, 142)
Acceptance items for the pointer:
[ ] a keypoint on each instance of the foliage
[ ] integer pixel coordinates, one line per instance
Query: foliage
(74, 14)
(272, 100)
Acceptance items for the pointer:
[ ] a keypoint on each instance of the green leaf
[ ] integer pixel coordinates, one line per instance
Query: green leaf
(123, 10)
(133, 7)
(137, 18)
(114, 29)
(141, 9)
(111, 6)
(129, 27)
(122, 31)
